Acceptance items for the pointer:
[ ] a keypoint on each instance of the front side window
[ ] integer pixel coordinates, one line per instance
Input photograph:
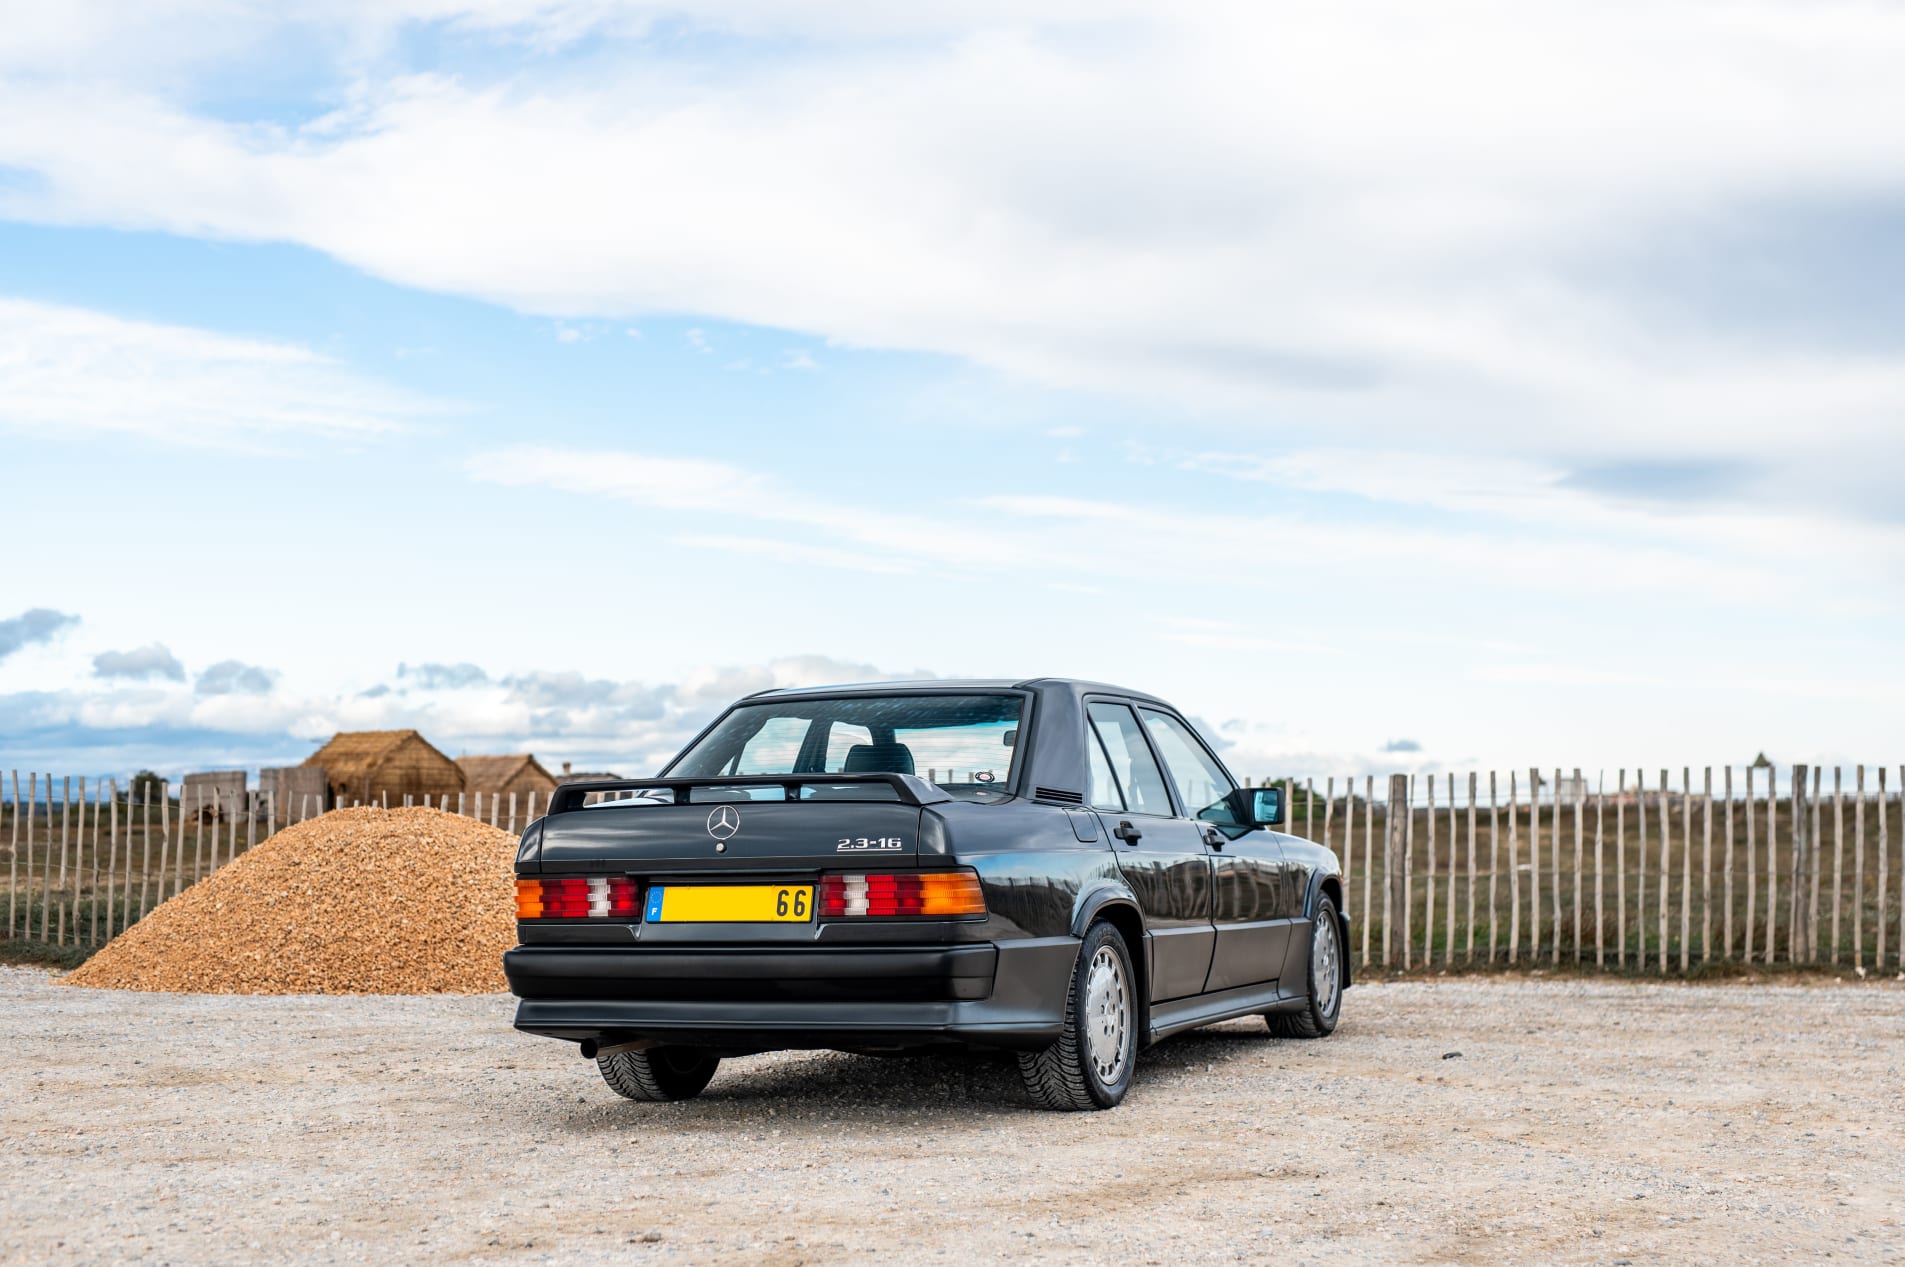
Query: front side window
(1130, 758)
(1201, 783)
(966, 744)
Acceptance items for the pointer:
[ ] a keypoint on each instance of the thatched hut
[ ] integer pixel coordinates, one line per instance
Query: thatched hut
(518, 773)
(374, 766)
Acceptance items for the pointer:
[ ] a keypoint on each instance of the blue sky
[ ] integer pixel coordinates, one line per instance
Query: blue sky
(1517, 386)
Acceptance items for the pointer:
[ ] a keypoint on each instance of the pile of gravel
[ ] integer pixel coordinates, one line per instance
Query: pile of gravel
(358, 901)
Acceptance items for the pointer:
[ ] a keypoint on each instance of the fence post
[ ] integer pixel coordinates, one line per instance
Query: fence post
(1349, 838)
(1885, 852)
(1428, 906)
(1858, 872)
(1620, 869)
(1600, 855)
(1686, 867)
(1838, 853)
(1469, 953)
(1579, 798)
(1448, 923)
(1534, 865)
(145, 843)
(112, 865)
(1554, 857)
(1369, 854)
(1726, 869)
(81, 870)
(218, 809)
(1514, 874)
(198, 831)
(1752, 866)
(530, 817)
(13, 858)
(1666, 864)
(1772, 860)
(1798, 927)
(1706, 870)
(165, 833)
(1329, 811)
(512, 813)
(1494, 863)
(1817, 804)
(66, 810)
(1392, 889)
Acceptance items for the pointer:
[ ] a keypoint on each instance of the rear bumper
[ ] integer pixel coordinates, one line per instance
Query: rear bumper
(1008, 995)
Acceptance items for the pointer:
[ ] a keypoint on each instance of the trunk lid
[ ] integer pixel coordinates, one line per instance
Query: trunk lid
(704, 825)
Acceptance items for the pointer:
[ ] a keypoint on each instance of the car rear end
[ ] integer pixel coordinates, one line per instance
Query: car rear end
(693, 913)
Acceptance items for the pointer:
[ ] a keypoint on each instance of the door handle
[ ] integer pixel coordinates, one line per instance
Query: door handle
(1126, 832)
(1213, 838)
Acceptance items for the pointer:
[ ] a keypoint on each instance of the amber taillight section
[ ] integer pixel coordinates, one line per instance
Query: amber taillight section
(578, 897)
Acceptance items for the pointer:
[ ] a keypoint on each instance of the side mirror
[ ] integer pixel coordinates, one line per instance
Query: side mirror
(1257, 806)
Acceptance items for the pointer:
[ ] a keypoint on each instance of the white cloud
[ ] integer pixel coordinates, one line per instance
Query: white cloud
(864, 539)
(69, 369)
(256, 718)
(153, 660)
(1363, 216)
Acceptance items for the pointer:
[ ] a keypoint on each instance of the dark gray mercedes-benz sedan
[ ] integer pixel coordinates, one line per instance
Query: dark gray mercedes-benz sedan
(1062, 869)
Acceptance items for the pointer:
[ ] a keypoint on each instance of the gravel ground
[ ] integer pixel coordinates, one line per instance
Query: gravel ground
(1581, 1122)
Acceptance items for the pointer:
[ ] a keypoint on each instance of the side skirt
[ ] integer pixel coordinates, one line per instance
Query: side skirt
(1206, 1009)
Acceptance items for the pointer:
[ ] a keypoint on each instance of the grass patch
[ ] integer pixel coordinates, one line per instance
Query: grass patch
(43, 954)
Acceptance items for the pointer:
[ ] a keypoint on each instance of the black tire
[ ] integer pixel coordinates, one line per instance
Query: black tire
(1072, 1074)
(660, 1073)
(1325, 1005)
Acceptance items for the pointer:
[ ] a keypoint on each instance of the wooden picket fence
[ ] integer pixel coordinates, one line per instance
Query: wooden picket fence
(1663, 877)
(84, 864)
(1639, 876)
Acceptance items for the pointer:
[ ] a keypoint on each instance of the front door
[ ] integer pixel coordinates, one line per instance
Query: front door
(1161, 853)
(1249, 876)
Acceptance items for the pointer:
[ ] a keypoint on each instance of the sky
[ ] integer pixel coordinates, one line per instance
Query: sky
(1391, 388)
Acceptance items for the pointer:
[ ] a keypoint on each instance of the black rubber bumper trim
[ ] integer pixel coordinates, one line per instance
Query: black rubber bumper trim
(706, 973)
(1021, 1001)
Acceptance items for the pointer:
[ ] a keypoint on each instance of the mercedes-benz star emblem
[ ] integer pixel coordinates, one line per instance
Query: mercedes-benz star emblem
(724, 822)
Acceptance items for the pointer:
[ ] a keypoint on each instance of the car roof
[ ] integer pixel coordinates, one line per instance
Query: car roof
(1077, 687)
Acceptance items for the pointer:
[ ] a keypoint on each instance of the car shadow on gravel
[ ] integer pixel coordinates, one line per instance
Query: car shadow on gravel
(916, 1088)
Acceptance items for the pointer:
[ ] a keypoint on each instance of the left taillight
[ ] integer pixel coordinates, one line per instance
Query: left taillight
(578, 897)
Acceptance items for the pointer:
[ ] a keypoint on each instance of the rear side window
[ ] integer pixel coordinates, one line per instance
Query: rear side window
(1130, 758)
(1104, 793)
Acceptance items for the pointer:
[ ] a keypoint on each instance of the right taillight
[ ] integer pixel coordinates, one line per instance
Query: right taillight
(926, 894)
(578, 897)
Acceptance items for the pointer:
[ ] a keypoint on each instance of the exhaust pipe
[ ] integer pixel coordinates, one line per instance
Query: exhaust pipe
(594, 1049)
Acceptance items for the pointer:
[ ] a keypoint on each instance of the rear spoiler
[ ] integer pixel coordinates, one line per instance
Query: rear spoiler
(910, 788)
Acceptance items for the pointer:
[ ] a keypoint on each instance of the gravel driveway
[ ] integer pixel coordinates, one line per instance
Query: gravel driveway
(1590, 1122)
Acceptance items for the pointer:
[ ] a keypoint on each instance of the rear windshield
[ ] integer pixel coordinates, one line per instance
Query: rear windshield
(964, 743)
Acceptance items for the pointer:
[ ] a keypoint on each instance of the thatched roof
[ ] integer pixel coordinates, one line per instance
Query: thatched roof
(354, 755)
(496, 772)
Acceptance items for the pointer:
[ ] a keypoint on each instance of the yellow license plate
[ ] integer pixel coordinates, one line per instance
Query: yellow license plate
(730, 904)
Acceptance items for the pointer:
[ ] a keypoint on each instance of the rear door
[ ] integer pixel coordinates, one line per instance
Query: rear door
(1161, 853)
(1248, 876)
